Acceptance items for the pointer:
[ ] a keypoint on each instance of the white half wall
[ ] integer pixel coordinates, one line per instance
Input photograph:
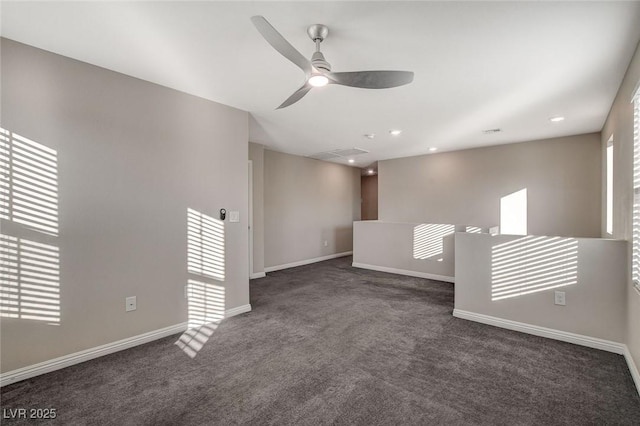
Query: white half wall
(594, 304)
(391, 247)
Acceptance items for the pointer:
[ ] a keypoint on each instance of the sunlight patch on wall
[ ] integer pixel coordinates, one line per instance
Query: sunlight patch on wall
(28, 183)
(29, 280)
(206, 301)
(533, 264)
(427, 239)
(206, 309)
(513, 213)
(473, 230)
(205, 245)
(29, 269)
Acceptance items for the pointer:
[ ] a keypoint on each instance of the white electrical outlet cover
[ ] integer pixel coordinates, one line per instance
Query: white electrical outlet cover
(234, 216)
(130, 304)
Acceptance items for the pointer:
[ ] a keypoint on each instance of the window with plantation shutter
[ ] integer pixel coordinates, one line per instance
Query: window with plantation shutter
(635, 261)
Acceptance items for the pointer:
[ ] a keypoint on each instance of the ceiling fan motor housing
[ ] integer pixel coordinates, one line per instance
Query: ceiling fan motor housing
(319, 63)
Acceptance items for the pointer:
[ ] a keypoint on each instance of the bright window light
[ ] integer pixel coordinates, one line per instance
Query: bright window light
(610, 187)
(513, 213)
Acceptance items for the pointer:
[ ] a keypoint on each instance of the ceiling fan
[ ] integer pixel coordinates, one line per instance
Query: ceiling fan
(318, 71)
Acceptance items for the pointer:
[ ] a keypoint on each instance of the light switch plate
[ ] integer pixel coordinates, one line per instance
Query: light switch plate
(234, 216)
(560, 298)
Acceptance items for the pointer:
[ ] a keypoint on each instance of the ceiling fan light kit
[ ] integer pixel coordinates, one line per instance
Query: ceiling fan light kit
(318, 80)
(318, 71)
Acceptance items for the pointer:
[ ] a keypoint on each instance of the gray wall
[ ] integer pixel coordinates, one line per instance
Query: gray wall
(132, 157)
(562, 177)
(620, 125)
(307, 202)
(256, 155)
(369, 190)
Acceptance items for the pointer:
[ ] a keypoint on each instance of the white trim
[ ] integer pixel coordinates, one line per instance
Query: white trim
(564, 336)
(102, 350)
(632, 368)
(407, 272)
(88, 354)
(307, 261)
(257, 275)
(250, 218)
(237, 310)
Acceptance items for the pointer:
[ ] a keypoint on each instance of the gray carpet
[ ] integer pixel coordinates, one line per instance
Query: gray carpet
(330, 344)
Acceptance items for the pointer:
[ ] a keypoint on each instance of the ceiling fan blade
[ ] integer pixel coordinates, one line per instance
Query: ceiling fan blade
(275, 39)
(297, 95)
(371, 79)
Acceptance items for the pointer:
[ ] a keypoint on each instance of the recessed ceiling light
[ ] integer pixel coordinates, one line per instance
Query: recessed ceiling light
(433, 148)
(351, 160)
(370, 135)
(370, 171)
(395, 132)
(556, 119)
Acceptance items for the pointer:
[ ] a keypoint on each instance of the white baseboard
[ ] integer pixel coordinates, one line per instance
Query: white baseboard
(237, 311)
(632, 368)
(565, 336)
(89, 354)
(257, 275)
(307, 261)
(404, 272)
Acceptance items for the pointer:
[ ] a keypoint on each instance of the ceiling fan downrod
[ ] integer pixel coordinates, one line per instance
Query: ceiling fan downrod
(317, 33)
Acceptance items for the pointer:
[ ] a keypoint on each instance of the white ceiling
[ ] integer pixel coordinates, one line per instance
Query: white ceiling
(478, 65)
